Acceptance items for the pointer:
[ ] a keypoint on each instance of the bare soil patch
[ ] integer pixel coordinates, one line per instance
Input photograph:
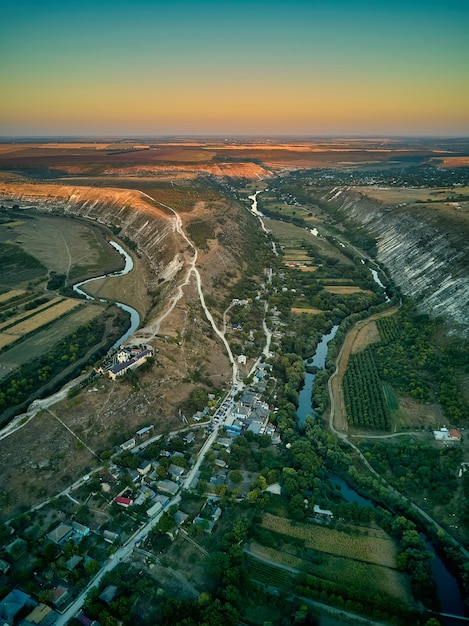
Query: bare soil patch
(346, 289)
(311, 311)
(365, 336)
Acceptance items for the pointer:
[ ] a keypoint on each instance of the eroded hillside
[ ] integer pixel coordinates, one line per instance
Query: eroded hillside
(422, 245)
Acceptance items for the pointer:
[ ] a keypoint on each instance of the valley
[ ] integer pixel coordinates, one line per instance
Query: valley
(234, 303)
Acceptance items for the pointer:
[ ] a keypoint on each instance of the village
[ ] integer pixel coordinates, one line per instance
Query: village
(142, 481)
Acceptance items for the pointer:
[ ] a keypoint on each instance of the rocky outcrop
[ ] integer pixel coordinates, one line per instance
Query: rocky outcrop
(428, 261)
(150, 227)
(138, 219)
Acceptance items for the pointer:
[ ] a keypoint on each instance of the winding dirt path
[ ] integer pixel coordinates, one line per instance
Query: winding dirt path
(180, 291)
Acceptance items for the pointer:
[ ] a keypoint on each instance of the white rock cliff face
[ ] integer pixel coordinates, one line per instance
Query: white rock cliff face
(421, 258)
(151, 229)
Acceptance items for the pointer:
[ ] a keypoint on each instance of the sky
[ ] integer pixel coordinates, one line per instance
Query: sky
(257, 67)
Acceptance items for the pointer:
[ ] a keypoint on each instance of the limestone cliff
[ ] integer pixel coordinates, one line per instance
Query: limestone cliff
(424, 251)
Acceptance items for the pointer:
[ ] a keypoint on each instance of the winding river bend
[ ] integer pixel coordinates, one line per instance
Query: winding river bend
(134, 316)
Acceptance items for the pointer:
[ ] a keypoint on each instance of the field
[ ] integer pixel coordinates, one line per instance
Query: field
(346, 289)
(310, 311)
(79, 248)
(345, 571)
(40, 318)
(397, 195)
(293, 238)
(374, 547)
(13, 293)
(43, 340)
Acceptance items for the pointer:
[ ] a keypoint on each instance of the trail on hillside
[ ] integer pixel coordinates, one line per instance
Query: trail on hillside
(192, 270)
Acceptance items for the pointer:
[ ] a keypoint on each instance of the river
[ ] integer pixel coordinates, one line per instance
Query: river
(134, 316)
(449, 594)
(319, 361)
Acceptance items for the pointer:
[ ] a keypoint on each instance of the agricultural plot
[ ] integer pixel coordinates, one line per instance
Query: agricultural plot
(337, 569)
(375, 547)
(311, 311)
(42, 317)
(79, 248)
(388, 330)
(270, 575)
(22, 316)
(396, 195)
(9, 295)
(346, 289)
(365, 401)
(42, 341)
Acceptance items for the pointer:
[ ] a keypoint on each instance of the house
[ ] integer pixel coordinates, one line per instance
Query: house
(73, 561)
(144, 467)
(155, 509)
(123, 501)
(247, 399)
(453, 435)
(189, 438)
(60, 534)
(42, 615)
(80, 529)
(143, 433)
(180, 517)
(225, 442)
(109, 593)
(242, 359)
(167, 486)
(13, 603)
(324, 513)
(175, 471)
(255, 428)
(129, 444)
(16, 547)
(59, 595)
(110, 537)
(241, 411)
(4, 567)
(84, 620)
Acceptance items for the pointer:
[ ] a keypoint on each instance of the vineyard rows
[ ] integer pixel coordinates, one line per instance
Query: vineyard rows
(388, 330)
(365, 401)
(270, 575)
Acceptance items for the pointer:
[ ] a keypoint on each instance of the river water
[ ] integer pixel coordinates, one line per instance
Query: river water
(134, 316)
(319, 361)
(449, 595)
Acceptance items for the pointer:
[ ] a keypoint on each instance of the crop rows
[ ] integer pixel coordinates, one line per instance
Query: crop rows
(388, 330)
(270, 575)
(378, 550)
(43, 317)
(28, 314)
(365, 401)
